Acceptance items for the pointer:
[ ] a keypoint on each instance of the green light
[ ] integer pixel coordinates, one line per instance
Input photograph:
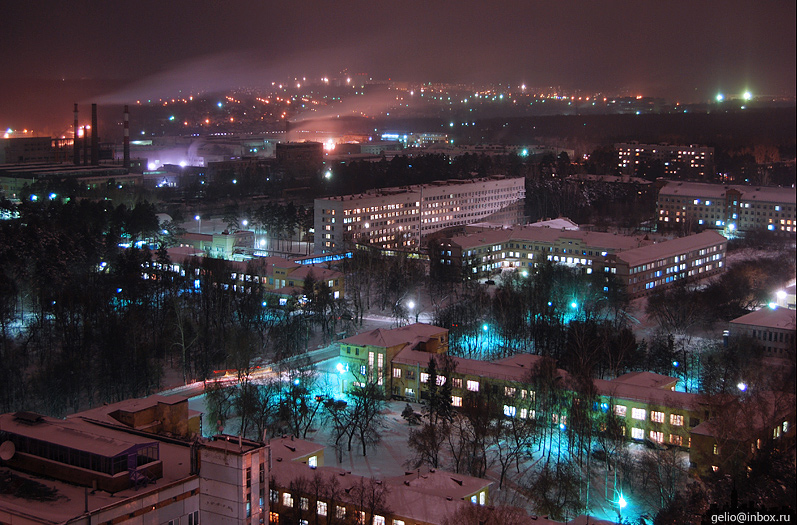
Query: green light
(171, 117)
(747, 95)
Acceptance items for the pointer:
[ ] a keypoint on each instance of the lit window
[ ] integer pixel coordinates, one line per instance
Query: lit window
(322, 508)
(304, 504)
(638, 413)
(473, 386)
(619, 410)
(424, 377)
(379, 520)
(456, 382)
(287, 500)
(456, 401)
(657, 417)
(716, 449)
(509, 391)
(509, 411)
(637, 433)
(340, 512)
(397, 372)
(676, 420)
(657, 437)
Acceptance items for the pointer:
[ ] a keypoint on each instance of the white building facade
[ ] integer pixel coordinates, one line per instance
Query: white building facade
(399, 218)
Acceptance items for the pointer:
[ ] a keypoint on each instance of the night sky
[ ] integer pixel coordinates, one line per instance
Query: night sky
(681, 50)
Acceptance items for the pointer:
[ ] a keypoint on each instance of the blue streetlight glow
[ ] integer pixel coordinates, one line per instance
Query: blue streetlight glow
(621, 502)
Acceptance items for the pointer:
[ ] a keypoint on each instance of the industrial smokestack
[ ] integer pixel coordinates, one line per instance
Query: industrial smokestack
(95, 139)
(76, 145)
(126, 153)
(85, 145)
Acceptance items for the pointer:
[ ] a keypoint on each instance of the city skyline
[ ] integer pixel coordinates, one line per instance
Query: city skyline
(117, 51)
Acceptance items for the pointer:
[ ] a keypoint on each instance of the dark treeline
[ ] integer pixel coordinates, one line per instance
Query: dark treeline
(85, 321)
(357, 176)
(579, 320)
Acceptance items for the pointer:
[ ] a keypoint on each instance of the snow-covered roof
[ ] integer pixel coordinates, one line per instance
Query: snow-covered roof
(74, 433)
(600, 240)
(670, 248)
(779, 318)
(292, 449)
(648, 394)
(515, 368)
(719, 191)
(408, 335)
(560, 223)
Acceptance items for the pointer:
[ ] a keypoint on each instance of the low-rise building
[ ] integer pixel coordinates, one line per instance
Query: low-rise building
(740, 429)
(636, 262)
(732, 208)
(278, 276)
(302, 491)
(223, 245)
(771, 329)
(647, 406)
(139, 461)
(367, 356)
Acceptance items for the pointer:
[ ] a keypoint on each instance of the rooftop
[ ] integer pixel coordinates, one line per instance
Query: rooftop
(412, 191)
(671, 248)
(515, 368)
(409, 334)
(719, 191)
(779, 318)
(531, 233)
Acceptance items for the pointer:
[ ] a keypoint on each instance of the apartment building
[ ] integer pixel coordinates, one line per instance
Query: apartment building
(732, 208)
(400, 218)
(673, 160)
(637, 262)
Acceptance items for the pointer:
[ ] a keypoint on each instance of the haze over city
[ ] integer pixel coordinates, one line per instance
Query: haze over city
(410, 263)
(117, 52)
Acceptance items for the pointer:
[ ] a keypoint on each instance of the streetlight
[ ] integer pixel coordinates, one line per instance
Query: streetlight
(198, 218)
(621, 504)
(411, 305)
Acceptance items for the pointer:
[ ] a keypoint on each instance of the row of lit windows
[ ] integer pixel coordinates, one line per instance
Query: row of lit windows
(655, 416)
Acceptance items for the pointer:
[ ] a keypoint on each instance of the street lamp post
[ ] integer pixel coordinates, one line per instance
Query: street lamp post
(198, 218)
